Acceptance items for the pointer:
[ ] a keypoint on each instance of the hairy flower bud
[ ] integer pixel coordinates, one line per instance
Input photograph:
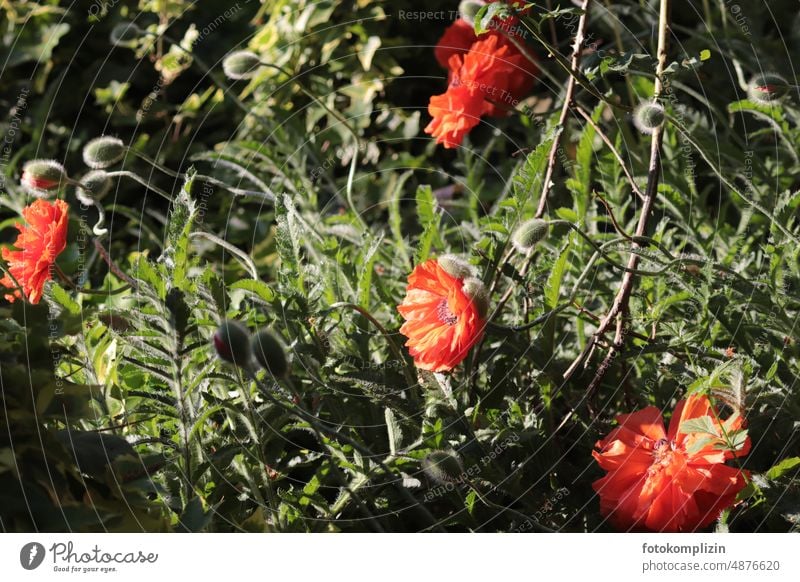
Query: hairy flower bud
(125, 34)
(647, 116)
(767, 87)
(468, 10)
(455, 266)
(232, 342)
(443, 467)
(477, 292)
(529, 233)
(103, 152)
(270, 353)
(94, 186)
(241, 65)
(41, 177)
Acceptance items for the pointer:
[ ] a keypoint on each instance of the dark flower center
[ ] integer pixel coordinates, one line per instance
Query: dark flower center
(444, 314)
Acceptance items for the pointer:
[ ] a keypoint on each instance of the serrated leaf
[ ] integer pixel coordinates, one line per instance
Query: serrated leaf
(428, 219)
(701, 424)
(395, 433)
(62, 297)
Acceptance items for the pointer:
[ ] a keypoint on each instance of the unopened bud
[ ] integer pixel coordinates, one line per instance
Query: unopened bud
(443, 467)
(529, 233)
(468, 10)
(270, 353)
(103, 152)
(767, 87)
(41, 177)
(94, 186)
(648, 116)
(241, 65)
(232, 342)
(125, 34)
(455, 266)
(478, 294)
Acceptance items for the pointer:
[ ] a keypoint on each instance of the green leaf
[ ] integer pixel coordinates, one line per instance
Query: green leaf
(527, 180)
(428, 219)
(365, 268)
(552, 288)
(62, 297)
(779, 470)
(259, 288)
(194, 518)
(395, 433)
(176, 252)
(701, 424)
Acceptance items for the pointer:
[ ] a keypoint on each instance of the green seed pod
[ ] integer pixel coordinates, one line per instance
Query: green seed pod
(529, 233)
(767, 87)
(443, 467)
(241, 65)
(94, 186)
(269, 353)
(455, 266)
(468, 10)
(125, 34)
(648, 116)
(103, 152)
(42, 177)
(232, 342)
(477, 292)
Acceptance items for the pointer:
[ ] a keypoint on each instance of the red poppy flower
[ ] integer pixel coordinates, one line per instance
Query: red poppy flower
(476, 79)
(454, 113)
(496, 75)
(460, 35)
(445, 310)
(457, 39)
(40, 242)
(676, 481)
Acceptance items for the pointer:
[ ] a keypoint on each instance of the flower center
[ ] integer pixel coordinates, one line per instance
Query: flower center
(663, 453)
(444, 314)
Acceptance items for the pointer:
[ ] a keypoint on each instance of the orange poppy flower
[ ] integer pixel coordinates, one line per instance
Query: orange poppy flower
(676, 481)
(457, 39)
(454, 114)
(40, 242)
(488, 80)
(460, 35)
(445, 311)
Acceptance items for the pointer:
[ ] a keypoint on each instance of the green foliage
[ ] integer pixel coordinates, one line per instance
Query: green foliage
(298, 200)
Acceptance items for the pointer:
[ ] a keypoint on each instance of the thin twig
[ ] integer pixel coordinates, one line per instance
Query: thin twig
(619, 307)
(580, 36)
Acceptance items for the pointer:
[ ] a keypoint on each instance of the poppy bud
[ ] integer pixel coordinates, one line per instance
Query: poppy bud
(40, 177)
(102, 152)
(125, 34)
(455, 266)
(241, 65)
(443, 467)
(648, 116)
(767, 87)
(478, 294)
(529, 233)
(270, 353)
(94, 186)
(468, 10)
(232, 342)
